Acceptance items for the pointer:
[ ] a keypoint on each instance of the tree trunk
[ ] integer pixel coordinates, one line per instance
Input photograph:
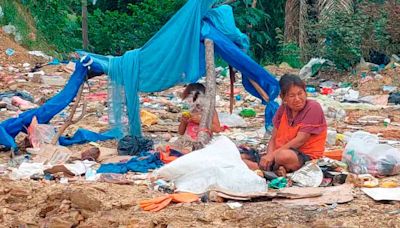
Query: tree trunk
(303, 18)
(292, 17)
(205, 132)
(85, 38)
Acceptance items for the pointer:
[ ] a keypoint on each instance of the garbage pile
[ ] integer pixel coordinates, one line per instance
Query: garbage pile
(215, 173)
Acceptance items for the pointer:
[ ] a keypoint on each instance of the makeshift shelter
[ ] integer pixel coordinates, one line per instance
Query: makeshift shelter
(175, 55)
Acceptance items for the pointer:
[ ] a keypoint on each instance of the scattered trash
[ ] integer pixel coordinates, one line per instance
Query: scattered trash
(231, 120)
(278, 183)
(316, 196)
(10, 52)
(234, 205)
(311, 68)
(134, 145)
(383, 193)
(148, 118)
(363, 154)
(362, 180)
(309, 175)
(53, 80)
(248, 113)
(40, 54)
(40, 134)
(160, 203)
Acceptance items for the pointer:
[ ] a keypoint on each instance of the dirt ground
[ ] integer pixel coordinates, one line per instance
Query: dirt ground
(46, 204)
(43, 203)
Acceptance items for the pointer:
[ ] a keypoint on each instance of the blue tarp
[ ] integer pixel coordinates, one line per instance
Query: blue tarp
(143, 163)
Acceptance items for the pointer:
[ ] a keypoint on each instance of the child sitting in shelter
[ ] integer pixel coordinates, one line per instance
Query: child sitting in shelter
(190, 121)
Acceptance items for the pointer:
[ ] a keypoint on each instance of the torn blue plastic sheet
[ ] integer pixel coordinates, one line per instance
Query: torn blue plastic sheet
(83, 136)
(143, 163)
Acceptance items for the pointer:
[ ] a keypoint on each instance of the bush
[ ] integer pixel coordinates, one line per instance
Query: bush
(288, 52)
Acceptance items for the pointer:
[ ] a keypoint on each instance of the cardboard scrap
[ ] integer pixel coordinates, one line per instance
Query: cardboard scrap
(383, 193)
(107, 153)
(329, 195)
(51, 154)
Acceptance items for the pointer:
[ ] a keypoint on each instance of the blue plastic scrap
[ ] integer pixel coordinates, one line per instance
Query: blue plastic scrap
(143, 163)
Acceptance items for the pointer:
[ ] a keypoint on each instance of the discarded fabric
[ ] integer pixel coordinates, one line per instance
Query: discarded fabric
(143, 163)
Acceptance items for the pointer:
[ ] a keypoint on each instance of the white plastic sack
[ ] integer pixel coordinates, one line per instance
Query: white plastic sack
(216, 167)
(26, 170)
(307, 70)
(363, 154)
(233, 120)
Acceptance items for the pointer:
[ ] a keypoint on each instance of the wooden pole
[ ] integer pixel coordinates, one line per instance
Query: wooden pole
(231, 99)
(70, 120)
(85, 38)
(204, 135)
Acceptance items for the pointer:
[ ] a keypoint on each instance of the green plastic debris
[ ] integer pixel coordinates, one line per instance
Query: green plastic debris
(278, 183)
(224, 73)
(248, 113)
(345, 84)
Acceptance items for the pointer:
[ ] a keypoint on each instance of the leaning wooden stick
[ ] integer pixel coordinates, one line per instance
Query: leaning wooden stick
(232, 79)
(70, 120)
(260, 90)
(204, 135)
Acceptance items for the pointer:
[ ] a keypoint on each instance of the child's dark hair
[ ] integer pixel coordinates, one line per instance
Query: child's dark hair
(195, 88)
(289, 80)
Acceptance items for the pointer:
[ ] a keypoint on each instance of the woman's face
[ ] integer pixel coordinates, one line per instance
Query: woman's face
(295, 98)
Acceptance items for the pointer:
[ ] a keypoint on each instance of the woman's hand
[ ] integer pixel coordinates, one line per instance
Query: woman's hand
(185, 119)
(267, 160)
(195, 117)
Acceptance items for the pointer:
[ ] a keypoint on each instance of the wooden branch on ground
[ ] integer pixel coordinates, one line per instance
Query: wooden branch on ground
(205, 132)
(70, 120)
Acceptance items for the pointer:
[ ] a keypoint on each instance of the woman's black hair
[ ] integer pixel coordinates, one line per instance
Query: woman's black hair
(195, 88)
(289, 80)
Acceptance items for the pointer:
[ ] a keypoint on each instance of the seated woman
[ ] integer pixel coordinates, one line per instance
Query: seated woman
(190, 121)
(299, 132)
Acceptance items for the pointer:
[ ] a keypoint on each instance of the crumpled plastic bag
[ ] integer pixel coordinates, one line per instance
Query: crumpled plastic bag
(148, 118)
(39, 134)
(364, 155)
(309, 175)
(231, 120)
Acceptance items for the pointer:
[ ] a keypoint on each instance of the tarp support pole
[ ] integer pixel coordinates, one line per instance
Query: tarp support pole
(205, 132)
(232, 79)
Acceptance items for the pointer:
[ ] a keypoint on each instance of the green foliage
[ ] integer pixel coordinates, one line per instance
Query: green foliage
(57, 21)
(13, 17)
(339, 38)
(260, 24)
(288, 52)
(114, 32)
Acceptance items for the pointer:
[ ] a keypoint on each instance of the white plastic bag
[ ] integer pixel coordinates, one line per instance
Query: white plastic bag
(39, 134)
(233, 120)
(216, 167)
(363, 154)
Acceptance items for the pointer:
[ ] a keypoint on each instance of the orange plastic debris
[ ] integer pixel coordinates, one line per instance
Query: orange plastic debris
(162, 202)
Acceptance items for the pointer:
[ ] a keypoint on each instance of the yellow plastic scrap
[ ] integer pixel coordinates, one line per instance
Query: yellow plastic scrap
(148, 118)
(389, 184)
